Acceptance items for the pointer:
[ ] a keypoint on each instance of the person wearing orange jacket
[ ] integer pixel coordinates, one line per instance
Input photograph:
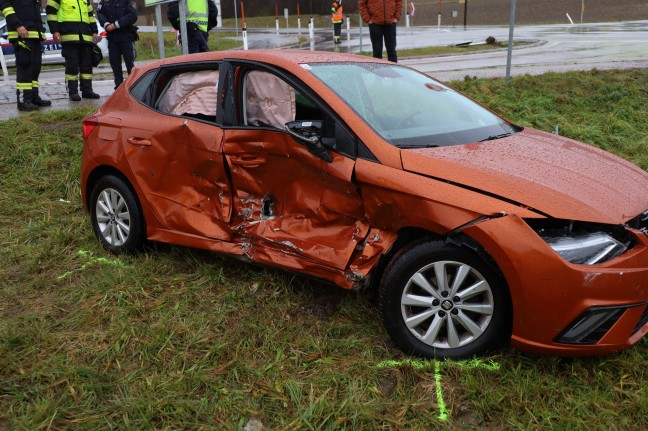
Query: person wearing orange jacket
(382, 16)
(337, 18)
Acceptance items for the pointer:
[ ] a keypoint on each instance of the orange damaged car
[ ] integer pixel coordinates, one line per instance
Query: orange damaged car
(472, 230)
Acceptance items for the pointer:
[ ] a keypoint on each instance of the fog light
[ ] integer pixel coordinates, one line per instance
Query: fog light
(591, 326)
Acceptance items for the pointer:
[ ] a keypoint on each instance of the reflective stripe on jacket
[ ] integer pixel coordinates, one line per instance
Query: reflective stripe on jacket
(23, 13)
(197, 13)
(73, 19)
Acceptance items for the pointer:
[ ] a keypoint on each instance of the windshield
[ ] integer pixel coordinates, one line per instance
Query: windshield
(407, 108)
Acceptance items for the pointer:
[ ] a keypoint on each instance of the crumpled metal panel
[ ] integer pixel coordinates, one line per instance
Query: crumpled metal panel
(545, 288)
(288, 199)
(377, 243)
(557, 175)
(181, 171)
(394, 199)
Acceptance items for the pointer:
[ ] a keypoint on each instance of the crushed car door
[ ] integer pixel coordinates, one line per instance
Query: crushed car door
(286, 198)
(176, 154)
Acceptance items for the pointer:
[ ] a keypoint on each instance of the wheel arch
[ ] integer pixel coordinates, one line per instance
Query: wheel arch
(410, 235)
(100, 172)
(105, 170)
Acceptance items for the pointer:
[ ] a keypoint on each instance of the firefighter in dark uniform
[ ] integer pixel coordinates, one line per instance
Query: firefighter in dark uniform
(72, 23)
(118, 18)
(26, 31)
(202, 16)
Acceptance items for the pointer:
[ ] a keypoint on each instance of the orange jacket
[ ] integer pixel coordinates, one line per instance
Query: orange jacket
(380, 11)
(336, 12)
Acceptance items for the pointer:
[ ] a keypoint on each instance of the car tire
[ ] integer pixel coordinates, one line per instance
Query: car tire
(440, 300)
(116, 216)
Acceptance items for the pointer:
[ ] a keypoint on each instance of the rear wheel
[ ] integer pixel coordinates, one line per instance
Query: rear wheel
(443, 301)
(116, 216)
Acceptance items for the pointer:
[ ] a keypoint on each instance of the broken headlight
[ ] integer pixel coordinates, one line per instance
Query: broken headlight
(586, 248)
(583, 243)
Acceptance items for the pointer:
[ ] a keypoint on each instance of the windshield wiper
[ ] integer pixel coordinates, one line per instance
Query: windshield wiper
(409, 147)
(493, 137)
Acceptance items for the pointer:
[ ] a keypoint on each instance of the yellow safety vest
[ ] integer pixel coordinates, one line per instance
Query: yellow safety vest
(197, 13)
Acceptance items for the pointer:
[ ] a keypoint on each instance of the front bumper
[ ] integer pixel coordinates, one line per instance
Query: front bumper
(564, 309)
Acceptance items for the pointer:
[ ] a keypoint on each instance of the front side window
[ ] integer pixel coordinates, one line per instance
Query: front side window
(407, 108)
(268, 100)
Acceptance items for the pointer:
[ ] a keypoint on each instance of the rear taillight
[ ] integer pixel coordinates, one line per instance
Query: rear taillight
(89, 124)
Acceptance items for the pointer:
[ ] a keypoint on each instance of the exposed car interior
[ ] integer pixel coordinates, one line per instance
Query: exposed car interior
(192, 94)
(269, 101)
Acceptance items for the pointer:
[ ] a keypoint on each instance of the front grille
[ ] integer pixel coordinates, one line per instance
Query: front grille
(642, 321)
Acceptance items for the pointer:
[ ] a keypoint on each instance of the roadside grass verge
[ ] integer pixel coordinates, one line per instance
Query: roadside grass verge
(604, 108)
(175, 338)
(147, 45)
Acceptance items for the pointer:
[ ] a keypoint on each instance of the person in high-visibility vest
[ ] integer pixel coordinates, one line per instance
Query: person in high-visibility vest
(201, 17)
(337, 18)
(26, 31)
(73, 24)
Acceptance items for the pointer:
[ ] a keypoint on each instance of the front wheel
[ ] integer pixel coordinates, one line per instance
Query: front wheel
(443, 301)
(116, 216)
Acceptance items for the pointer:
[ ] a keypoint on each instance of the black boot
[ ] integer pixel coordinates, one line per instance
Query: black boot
(73, 90)
(39, 101)
(86, 90)
(26, 104)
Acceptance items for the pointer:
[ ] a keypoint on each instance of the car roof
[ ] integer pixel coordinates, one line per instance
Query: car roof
(290, 61)
(286, 58)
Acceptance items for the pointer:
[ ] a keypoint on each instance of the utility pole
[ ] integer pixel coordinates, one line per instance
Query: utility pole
(465, 13)
(510, 43)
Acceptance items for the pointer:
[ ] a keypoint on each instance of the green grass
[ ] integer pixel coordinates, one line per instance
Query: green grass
(176, 338)
(607, 109)
(147, 46)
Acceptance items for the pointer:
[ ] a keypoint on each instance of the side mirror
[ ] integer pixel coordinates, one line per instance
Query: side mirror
(310, 134)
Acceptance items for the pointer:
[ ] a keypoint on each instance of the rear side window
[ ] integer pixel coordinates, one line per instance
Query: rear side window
(140, 90)
(192, 94)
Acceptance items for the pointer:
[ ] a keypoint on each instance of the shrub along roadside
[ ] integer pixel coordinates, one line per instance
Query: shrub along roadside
(184, 339)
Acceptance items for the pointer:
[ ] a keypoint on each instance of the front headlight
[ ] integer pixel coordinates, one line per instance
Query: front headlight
(581, 242)
(586, 248)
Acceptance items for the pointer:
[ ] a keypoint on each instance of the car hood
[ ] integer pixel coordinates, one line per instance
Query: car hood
(550, 174)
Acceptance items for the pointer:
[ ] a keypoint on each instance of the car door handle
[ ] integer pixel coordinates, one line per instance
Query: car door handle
(139, 141)
(249, 161)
